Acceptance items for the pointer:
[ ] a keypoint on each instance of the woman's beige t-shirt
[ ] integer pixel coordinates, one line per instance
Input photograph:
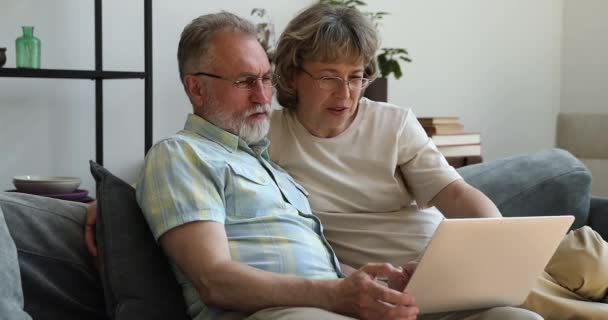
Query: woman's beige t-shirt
(371, 184)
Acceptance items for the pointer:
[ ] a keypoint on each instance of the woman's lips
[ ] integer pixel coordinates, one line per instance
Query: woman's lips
(337, 110)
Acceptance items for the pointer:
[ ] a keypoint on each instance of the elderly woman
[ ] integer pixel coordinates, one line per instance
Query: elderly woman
(375, 179)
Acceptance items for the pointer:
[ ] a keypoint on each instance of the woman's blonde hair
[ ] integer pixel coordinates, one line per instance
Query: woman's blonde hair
(328, 34)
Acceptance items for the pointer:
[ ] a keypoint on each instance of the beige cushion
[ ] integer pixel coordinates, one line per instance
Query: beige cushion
(599, 176)
(585, 135)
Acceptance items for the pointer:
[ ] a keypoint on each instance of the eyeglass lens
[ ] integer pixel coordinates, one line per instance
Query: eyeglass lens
(333, 83)
(251, 82)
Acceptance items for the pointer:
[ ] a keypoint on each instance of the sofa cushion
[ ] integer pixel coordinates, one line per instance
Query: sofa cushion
(598, 216)
(584, 134)
(599, 172)
(11, 295)
(58, 278)
(548, 182)
(136, 276)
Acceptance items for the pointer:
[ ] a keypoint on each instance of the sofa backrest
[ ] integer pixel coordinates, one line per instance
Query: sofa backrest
(137, 279)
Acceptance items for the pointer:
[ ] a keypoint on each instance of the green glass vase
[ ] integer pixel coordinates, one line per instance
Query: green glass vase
(28, 49)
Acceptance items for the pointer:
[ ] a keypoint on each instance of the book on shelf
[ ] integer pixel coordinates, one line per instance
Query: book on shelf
(437, 120)
(458, 162)
(460, 150)
(450, 128)
(456, 139)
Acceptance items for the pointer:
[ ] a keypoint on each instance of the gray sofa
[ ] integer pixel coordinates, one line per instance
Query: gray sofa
(540, 186)
(135, 280)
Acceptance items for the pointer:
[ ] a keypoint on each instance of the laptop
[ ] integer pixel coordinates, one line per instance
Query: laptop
(485, 262)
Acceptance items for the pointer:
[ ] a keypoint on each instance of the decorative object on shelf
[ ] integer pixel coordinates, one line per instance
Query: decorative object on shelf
(100, 75)
(78, 195)
(389, 59)
(463, 150)
(458, 162)
(46, 184)
(2, 57)
(265, 31)
(377, 90)
(441, 125)
(27, 49)
(447, 133)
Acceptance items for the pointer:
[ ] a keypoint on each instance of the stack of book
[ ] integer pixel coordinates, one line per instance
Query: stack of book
(459, 147)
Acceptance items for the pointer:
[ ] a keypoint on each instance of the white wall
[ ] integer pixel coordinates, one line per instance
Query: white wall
(584, 70)
(496, 64)
(585, 49)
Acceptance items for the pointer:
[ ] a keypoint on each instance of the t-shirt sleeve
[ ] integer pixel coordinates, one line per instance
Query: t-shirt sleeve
(177, 186)
(424, 168)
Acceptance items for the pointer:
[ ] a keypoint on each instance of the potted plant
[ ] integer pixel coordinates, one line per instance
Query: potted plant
(389, 59)
(265, 31)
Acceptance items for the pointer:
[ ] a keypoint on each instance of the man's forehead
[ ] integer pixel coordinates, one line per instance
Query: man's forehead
(238, 54)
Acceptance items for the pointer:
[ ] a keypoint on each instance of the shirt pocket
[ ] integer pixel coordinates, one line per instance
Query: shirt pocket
(254, 194)
(298, 186)
(295, 193)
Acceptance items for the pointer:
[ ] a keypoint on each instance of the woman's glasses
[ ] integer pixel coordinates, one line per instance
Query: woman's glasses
(335, 83)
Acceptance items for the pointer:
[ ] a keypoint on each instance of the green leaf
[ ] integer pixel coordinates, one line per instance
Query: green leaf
(260, 12)
(397, 72)
(384, 70)
(345, 3)
(393, 65)
(382, 59)
(336, 3)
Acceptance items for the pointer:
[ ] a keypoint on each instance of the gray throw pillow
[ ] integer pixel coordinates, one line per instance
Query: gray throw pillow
(136, 276)
(57, 273)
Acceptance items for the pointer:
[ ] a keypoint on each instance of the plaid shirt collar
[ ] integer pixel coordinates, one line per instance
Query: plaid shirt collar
(229, 141)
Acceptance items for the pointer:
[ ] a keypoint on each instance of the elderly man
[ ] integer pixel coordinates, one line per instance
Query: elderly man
(238, 230)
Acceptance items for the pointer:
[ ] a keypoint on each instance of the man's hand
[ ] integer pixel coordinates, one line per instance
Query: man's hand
(360, 295)
(89, 232)
(399, 281)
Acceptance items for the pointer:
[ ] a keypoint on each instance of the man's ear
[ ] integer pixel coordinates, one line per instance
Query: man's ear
(195, 89)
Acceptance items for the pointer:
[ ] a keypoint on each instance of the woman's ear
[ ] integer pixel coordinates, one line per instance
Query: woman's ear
(291, 81)
(195, 89)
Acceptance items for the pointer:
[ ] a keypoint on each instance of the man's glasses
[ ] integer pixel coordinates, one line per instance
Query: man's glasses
(335, 83)
(246, 83)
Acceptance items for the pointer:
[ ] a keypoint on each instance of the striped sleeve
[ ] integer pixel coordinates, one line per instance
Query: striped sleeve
(177, 186)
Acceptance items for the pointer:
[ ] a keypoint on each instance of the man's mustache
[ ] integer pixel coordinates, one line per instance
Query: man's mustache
(260, 108)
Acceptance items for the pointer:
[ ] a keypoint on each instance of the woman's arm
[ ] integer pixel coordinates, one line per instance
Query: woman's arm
(461, 200)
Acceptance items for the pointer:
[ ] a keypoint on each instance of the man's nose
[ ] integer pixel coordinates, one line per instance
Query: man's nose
(260, 93)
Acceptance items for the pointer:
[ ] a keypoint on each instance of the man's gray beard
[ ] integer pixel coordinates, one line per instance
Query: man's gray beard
(252, 133)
